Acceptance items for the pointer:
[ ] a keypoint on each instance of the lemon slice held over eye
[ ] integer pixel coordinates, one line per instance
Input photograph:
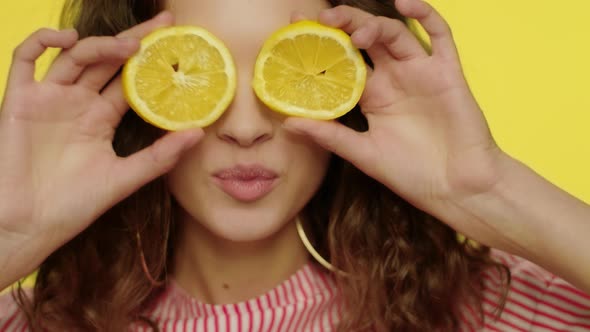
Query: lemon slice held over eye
(182, 77)
(310, 70)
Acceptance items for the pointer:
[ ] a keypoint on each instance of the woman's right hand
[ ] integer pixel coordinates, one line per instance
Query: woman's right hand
(58, 169)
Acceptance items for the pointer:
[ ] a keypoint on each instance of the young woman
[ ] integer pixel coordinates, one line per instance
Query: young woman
(129, 227)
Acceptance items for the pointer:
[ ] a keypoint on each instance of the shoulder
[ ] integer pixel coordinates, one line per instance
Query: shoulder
(536, 299)
(11, 317)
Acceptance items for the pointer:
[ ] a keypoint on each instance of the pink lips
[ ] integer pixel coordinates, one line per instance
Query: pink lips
(246, 183)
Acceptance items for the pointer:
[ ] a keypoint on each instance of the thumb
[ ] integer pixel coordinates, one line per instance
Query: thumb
(336, 137)
(153, 161)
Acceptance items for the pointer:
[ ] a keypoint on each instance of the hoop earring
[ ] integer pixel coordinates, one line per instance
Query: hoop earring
(144, 266)
(316, 255)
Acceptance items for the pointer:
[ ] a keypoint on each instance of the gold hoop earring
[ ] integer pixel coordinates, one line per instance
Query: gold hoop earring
(316, 255)
(144, 266)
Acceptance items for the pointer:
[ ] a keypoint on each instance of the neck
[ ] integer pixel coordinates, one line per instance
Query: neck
(218, 271)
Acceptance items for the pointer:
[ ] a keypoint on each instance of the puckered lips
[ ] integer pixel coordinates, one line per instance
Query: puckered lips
(246, 183)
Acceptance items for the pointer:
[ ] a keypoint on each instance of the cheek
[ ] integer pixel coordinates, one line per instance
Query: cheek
(308, 163)
(188, 174)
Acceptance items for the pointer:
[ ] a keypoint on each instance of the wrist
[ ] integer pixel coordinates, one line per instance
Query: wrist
(526, 215)
(482, 205)
(505, 210)
(18, 257)
(9, 271)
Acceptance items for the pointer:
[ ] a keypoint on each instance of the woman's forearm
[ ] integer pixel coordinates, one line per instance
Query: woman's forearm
(541, 222)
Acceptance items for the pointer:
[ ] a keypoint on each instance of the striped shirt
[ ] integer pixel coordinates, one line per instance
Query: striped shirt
(308, 301)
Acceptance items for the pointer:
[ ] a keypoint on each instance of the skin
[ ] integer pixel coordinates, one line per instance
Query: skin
(232, 250)
(428, 141)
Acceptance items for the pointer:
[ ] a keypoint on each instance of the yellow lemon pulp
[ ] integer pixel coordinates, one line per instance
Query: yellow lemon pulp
(182, 77)
(310, 70)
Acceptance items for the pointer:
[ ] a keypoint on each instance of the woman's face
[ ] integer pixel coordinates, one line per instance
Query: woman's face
(248, 177)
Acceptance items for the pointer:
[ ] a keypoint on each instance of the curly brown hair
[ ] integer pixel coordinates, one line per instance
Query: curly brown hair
(407, 270)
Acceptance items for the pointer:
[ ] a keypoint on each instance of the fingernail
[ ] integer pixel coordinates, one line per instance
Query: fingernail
(298, 15)
(129, 42)
(288, 125)
(193, 137)
(327, 15)
(359, 38)
(70, 31)
(163, 14)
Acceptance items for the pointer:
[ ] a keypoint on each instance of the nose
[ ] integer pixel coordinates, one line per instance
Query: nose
(247, 121)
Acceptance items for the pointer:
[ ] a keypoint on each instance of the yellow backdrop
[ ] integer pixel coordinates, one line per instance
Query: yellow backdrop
(526, 60)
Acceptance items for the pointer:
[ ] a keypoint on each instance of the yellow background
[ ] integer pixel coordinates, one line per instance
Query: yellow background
(526, 60)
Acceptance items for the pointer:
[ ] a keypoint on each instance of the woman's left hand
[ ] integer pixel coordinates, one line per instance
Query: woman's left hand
(428, 140)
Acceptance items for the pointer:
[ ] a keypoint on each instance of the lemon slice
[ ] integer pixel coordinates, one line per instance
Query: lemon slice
(182, 77)
(310, 70)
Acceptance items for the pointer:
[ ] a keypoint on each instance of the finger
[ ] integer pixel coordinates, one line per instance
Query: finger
(334, 136)
(70, 64)
(92, 79)
(25, 55)
(367, 30)
(393, 34)
(435, 25)
(98, 76)
(113, 93)
(153, 161)
(163, 19)
(297, 16)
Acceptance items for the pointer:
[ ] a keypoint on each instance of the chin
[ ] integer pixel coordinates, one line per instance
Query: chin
(246, 224)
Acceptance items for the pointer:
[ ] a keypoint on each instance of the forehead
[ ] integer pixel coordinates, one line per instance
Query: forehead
(242, 24)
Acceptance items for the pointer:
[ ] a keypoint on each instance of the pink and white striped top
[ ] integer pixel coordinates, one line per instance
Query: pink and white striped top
(308, 301)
